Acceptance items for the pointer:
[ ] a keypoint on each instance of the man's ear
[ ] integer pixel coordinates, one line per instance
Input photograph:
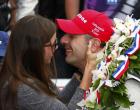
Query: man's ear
(95, 45)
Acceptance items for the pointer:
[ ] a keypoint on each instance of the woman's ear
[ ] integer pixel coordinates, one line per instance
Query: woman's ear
(95, 44)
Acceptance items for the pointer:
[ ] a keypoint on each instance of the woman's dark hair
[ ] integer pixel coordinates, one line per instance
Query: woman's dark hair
(24, 60)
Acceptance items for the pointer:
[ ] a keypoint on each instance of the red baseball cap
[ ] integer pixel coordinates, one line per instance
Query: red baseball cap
(89, 22)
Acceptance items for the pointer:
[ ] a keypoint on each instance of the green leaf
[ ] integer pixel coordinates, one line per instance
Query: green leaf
(133, 57)
(126, 44)
(106, 97)
(90, 104)
(121, 89)
(112, 67)
(134, 65)
(96, 84)
(112, 108)
(96, 107)
(122, 100)
(109, 48)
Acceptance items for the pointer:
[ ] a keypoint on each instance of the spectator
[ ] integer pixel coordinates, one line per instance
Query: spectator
(25, 77)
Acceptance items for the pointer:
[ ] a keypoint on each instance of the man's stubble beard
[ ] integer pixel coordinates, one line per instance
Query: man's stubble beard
(74, 61)
(71, 60)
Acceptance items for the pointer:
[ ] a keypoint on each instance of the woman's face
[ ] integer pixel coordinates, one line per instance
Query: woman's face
(50, 49)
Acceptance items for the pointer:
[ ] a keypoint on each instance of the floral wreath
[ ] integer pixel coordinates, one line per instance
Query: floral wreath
(122, 56)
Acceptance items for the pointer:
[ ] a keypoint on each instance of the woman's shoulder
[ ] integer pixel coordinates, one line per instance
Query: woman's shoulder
(29, 98)
(25, 91)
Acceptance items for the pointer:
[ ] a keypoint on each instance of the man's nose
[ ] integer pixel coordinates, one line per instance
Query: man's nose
(65, 39)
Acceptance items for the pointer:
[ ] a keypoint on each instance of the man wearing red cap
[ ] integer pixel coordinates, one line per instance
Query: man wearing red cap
(87, 26)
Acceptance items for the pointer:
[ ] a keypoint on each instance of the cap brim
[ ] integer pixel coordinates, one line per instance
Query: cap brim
(68, 26)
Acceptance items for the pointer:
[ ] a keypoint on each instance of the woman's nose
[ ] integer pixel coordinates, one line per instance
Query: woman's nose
(65, 39)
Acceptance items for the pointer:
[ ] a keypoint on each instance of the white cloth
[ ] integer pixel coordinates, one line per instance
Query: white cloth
(133, 86)
(25, 7)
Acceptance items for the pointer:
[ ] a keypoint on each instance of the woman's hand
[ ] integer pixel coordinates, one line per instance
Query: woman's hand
(92, 52)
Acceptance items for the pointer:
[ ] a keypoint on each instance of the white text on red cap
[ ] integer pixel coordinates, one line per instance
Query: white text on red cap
(82, 18)
(97, 29)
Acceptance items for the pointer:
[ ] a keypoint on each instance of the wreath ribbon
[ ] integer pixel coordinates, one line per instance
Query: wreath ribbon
(121, 69)
(135, 46)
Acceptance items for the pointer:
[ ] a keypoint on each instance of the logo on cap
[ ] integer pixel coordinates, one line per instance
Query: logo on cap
(97, 29)
(82, 18)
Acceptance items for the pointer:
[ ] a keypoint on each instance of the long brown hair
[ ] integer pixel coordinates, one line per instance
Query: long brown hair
(24, 59)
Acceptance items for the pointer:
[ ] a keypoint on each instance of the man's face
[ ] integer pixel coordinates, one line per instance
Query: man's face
(76, 47)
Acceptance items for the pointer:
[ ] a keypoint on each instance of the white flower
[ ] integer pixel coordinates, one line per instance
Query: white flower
(126, 31)
(120, 27)
(114, 37)
(120, 40)
(116, 83)
(91, 97)
(102, 76)
(82, 103)
(114, 54)
(109, 83)
(121, 58)
(100, 55)
(98, 74)
(118, 21)
(120, 50)
(95, 75)
(116, 31)
(129, 22)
